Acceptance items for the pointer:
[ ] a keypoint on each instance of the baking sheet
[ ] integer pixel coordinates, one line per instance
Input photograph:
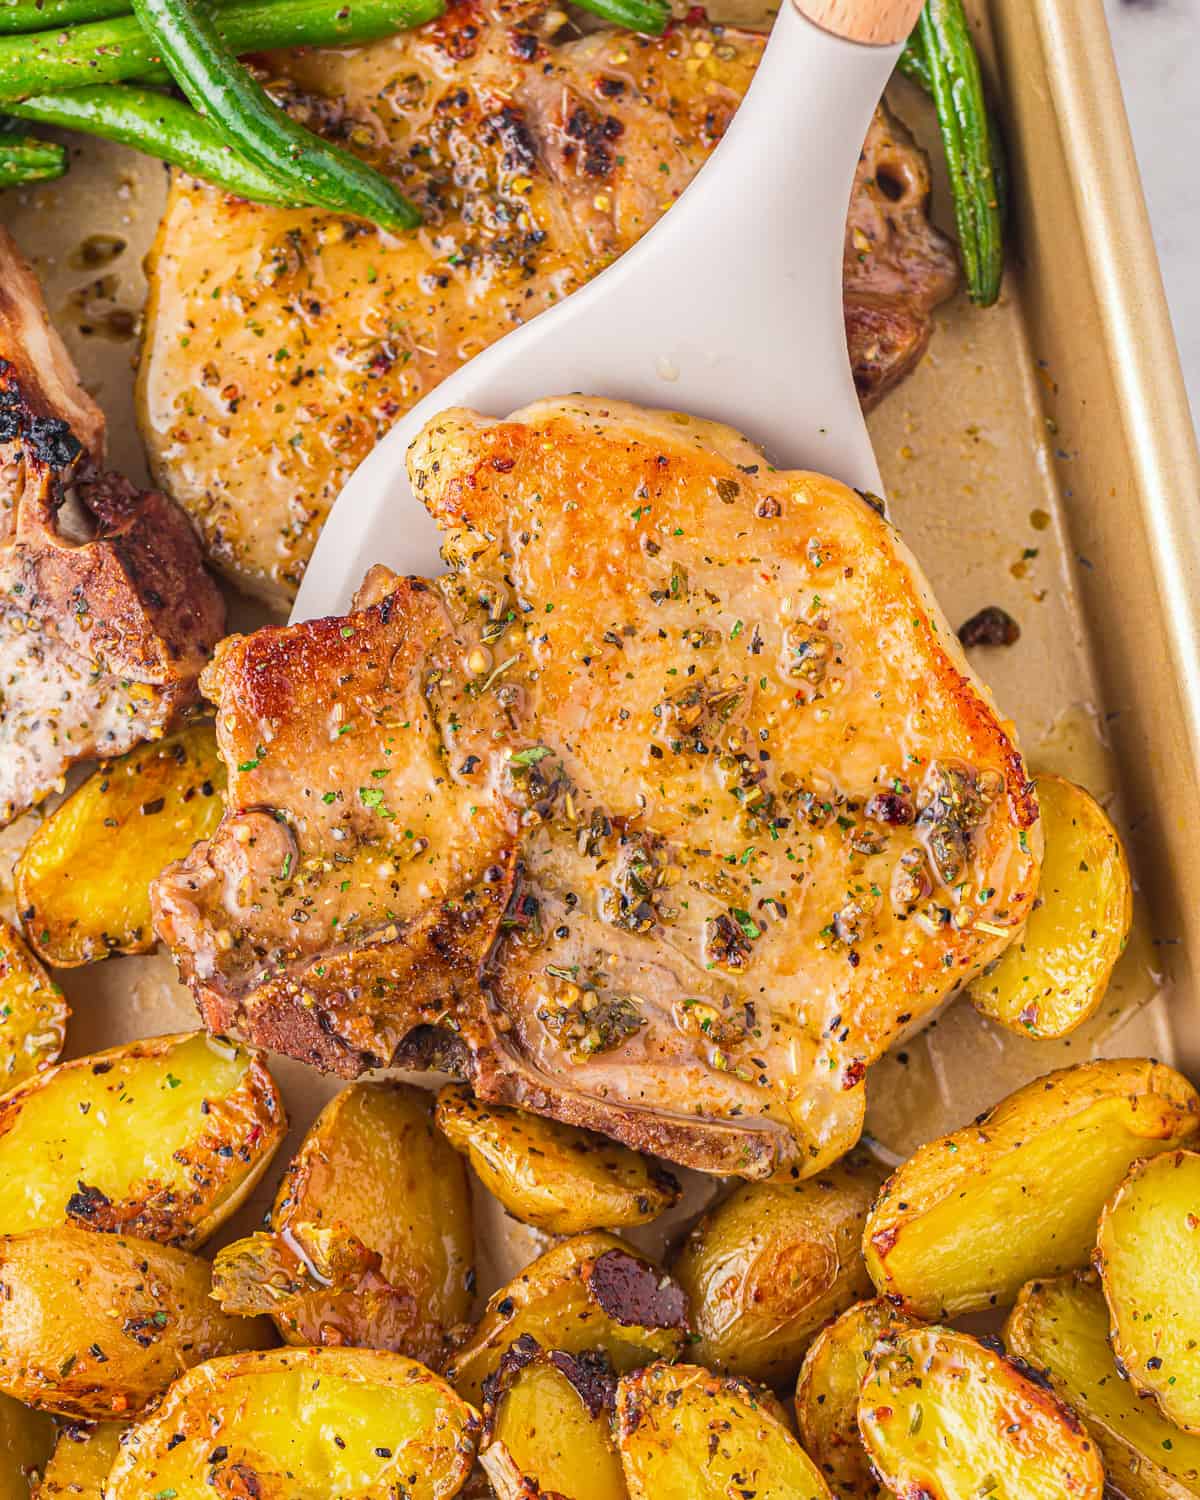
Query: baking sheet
(1026, 466)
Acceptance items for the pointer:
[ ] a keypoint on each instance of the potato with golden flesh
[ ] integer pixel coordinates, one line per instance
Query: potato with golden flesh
(687, 1434)
(827, 1395)
(162, 1138)
(26, 1438)
(83, 879)
(771, 1263)
(972, 1216)
(302, 1424)
(1148, 1256)
(33, 1012)
(80, 1463)
(554, 1176)
(592, 1292)
(97, 1325)
(547, 1426)
(1054, 975)
(947, 1418)
(1060, 1328)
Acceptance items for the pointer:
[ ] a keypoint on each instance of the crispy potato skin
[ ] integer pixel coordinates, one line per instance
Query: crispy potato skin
(590, 1292)
(1054, 976)
(83, 879)
(81, 1461)
(247, 1425)
(98, 1325)
(162, 1138)
(554, 1176)
(1146, 1253)
(26, 1438)
(33, 1012)
(970, 1217)
(938, 1410)
(773, 1262)
(827, 1395)
(1060, 1327)
(687, 1434)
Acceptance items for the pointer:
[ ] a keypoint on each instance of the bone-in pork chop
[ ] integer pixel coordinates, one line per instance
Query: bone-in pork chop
(665, 811)
(281, 345)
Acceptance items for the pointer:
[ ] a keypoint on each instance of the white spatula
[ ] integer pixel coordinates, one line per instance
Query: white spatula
(729, 308)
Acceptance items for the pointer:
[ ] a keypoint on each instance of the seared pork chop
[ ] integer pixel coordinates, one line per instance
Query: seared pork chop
(665, 811)
(281, 345)
(106, 612)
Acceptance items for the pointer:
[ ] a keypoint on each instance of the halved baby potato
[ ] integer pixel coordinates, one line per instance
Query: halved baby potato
(33, 1012)
(26, 1438)
(302, 1424)
(687, 1434)
(80, 1463)
(973, 1216)
(592, 1292)
(773, 1262)
(547, 1427)
(947, 1418)
(827, 1395)
(83, 879)
(378, 1205)
(556, 1177)
(1060, 1328)
(1054, 975)
(98, 1325)
(1148, 1256)
(162, 1138)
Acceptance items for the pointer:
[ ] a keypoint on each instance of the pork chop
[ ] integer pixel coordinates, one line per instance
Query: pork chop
(664, 812)
(281, 345)
(106, 612)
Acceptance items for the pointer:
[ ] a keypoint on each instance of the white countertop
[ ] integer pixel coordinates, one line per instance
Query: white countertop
(1157, 43)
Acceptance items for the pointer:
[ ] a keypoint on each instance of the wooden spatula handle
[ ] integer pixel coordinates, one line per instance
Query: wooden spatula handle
(881, 23)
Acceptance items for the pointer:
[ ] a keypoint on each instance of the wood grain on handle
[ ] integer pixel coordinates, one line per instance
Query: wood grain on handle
(878, 22)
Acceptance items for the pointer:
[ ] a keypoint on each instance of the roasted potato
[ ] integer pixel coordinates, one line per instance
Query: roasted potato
(381, 1202)
(593, 1292)
(946, 1418)
(554, 1176)
(827, 1395)
(80, 1464)
(33, 1013)
(1054, 975)
(302, 1424)
(772, 1263)
(973, 1216)
(1148, 1256)
(547, 1427)
(1060, 1328)
(687, 1434)
(26, 1438)
(162, 1138)
(83, 879)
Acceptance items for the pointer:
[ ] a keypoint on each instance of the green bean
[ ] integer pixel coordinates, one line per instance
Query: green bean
(160, 126)
(18, 16)
(647, 16)
(25, 160)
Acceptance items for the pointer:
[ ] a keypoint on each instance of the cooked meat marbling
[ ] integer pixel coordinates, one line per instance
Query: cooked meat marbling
(106, 612)
(280, 345)
(663, 812)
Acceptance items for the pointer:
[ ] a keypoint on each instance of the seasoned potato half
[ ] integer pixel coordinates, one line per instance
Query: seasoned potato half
(83, 880)
(302, 1424)
(946, 1418)
(82, 1458)
(547, 1427)
(378, 1200)
(97, 1325)
(1060, 1328)
(687, 1434)
(1054, 975)
(33, 1013)
(772, 1263)
(554, 1176)
(162, 1138)
(1148, 1256)
(827, 1395)
(973, 1216)
(26, 1438)
(592, 1292)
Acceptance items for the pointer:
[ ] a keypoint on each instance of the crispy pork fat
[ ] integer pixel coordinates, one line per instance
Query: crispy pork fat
(665, 811)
